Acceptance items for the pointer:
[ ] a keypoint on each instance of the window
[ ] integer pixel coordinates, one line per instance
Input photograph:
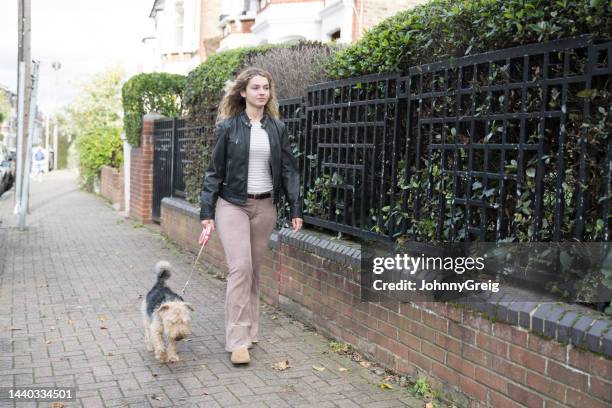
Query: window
(335, 36)
(179, 23)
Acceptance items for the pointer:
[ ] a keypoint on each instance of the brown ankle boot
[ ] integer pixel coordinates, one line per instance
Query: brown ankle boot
(240, 356)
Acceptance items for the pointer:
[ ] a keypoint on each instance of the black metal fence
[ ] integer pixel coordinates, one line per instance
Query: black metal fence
(171, 137)
(508, 145)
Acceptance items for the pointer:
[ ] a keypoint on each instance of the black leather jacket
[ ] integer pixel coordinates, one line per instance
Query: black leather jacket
(227, 173)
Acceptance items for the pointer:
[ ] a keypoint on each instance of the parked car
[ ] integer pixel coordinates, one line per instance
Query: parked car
(6, 172)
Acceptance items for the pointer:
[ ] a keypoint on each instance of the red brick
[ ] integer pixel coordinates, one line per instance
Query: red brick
(495, 346)
(527, 359)
(524, 396)
(478, 322)
(546, 386)
(462, 333)
(590, 362)
(434, 352)
(549, 348)
(567, 376)
(387, 330)
(498, 401)
(408, 310)
(454, 313)
(580, 400)
(409, 340)
(406, 367)
(448, 343)
(477, 356)
(424, 363)
(601, 389)
(445, 374)
(473, 389)
(553, 404)
(461, 365)
(422, 331)
(511, 334)
(399, 349)
(436, 322)
(491, 380)
(379, 312)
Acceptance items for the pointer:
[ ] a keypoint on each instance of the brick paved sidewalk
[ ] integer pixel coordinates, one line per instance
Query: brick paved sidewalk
(70, 289)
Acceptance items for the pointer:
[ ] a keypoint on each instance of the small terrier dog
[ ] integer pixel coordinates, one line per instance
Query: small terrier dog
(165, 314)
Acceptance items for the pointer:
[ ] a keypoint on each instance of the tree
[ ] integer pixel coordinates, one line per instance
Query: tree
(94, 120)
(5, 106)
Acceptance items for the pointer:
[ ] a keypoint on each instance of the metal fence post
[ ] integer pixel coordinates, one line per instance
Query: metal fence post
(172, 156)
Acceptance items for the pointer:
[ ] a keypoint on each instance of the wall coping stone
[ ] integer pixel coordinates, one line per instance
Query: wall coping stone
(565, 323)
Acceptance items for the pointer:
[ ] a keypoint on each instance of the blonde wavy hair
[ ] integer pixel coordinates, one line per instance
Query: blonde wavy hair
(233, 103)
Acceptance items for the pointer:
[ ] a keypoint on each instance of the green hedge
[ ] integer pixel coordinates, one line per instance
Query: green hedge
(204, 85)
(454, 28)
(146, 93)
(99, 147)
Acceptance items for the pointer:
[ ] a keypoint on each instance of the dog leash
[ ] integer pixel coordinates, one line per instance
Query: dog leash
(192, 269)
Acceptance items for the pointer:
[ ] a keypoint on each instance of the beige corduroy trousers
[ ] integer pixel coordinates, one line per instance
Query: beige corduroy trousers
(244, 231)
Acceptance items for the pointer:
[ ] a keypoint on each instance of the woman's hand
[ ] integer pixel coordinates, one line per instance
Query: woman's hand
(297, 224)
(208, 226)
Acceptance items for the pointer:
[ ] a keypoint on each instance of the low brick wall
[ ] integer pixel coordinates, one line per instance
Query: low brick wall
(475, 361)
(111, 186)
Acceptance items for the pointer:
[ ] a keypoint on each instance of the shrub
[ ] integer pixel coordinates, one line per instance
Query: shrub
(146, 93)
(295, 67)
(204, 85)
(444, 29)
(99, 147)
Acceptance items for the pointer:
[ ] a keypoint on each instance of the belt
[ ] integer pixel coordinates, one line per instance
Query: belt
(259, 196)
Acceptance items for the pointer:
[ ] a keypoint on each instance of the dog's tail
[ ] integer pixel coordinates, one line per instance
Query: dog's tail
(162, 269)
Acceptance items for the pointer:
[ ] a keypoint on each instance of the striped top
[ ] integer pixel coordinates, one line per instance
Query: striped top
(260, 179)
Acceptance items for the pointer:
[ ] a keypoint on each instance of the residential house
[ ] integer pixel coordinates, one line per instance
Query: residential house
(185, 33)
(252, 22)
(188, 31)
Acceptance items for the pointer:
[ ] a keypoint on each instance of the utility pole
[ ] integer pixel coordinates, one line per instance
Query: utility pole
(24, 61)
(25, 189)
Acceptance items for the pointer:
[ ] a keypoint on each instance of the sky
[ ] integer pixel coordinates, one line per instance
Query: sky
(85, 36)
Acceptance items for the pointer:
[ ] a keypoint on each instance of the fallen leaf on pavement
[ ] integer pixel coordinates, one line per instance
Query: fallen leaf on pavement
(103, 318)
(274, 317)
(281, 365)
(318, 368)
(57, 405)
(110, 354)
(342, 369)
(365, 364)
(385, 386)
(48, 341)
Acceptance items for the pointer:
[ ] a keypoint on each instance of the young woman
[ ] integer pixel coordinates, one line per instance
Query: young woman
(251, 163)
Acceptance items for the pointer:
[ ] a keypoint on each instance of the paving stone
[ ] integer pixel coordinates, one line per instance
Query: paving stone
(73, 282)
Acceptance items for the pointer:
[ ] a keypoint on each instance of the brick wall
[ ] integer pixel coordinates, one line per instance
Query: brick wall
(476, 362)
(111, 186)
(141, 173)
